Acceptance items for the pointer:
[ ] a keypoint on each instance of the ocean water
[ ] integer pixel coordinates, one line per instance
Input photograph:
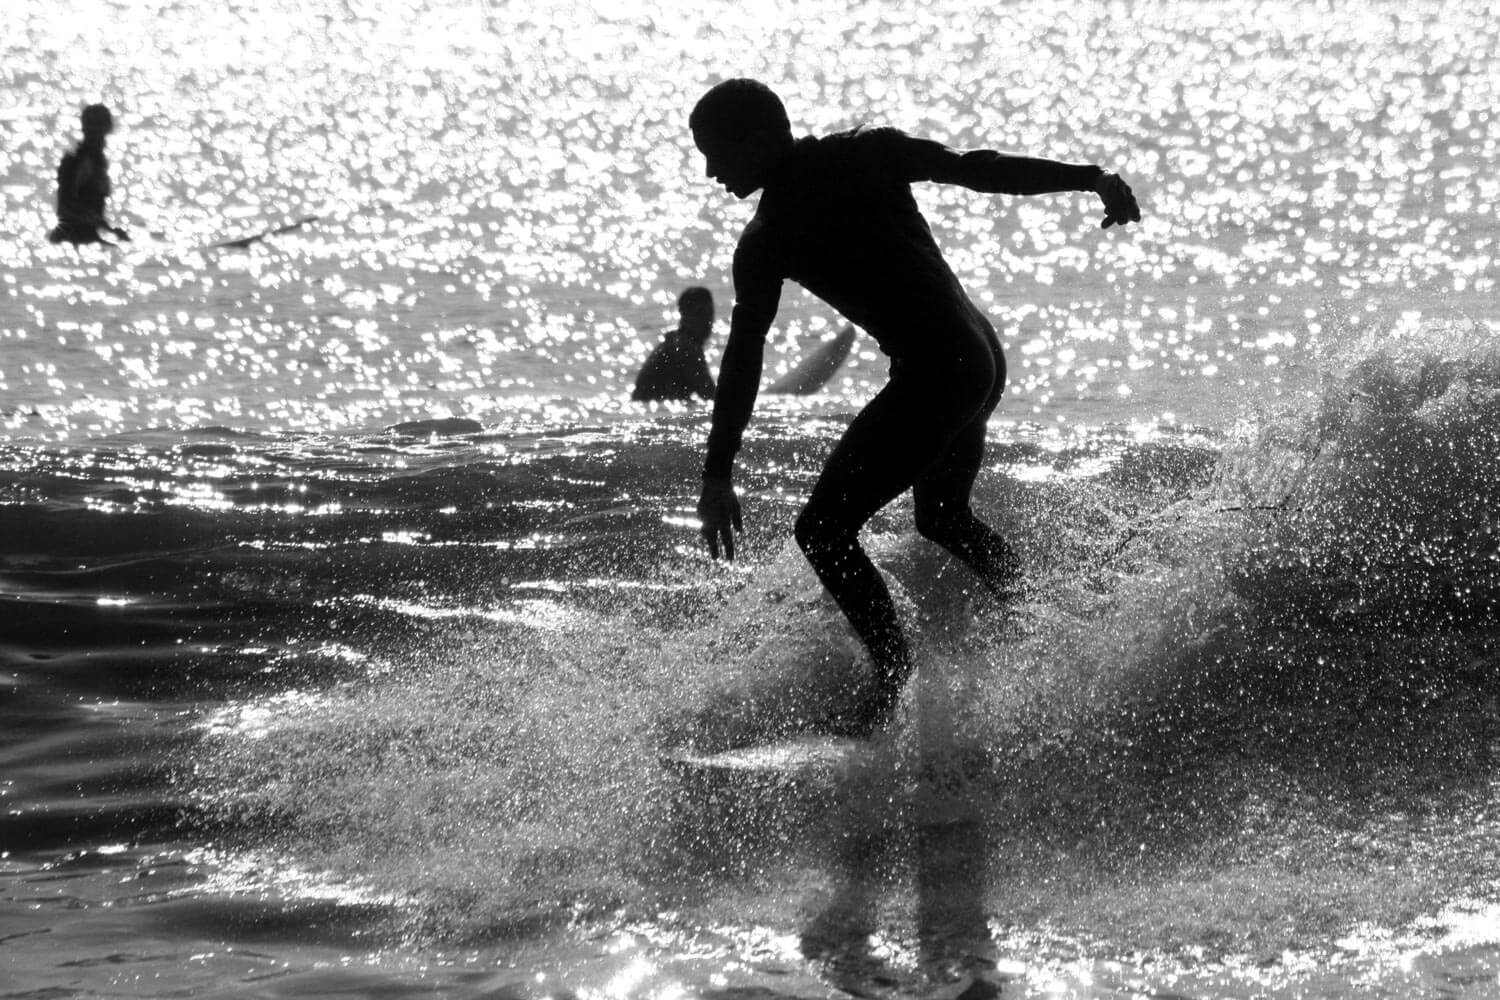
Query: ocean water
(345, 599)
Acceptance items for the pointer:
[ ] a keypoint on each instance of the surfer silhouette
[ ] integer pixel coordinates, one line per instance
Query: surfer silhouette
(837, 216)
(83, 184)
(677, 369)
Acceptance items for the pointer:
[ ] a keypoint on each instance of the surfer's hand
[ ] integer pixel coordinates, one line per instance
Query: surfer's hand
(1119, 200)
(719, 515)
(120, 234)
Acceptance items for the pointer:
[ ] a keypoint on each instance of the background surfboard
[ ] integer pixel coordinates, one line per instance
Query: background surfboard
(242, 242)
(814, 371)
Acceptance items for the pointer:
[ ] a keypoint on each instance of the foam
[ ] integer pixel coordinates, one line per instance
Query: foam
(1207, 672)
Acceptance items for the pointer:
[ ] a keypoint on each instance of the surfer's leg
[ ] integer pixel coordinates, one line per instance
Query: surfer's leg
(887, 447)
(944, 514)
(941, 498)
(856, 482)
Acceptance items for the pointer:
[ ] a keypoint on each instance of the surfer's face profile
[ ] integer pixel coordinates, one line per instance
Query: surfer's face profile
(739, 163)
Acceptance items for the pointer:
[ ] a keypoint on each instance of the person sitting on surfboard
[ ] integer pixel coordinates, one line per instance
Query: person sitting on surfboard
(837, 216)
(677, 368)
(83, 184)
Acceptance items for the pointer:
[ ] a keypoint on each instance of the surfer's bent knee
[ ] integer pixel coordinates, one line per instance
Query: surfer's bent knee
(940, 522)
(817, 534)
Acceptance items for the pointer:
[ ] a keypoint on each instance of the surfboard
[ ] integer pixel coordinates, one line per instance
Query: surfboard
(814, 371)
(245, 241)
(794, 757)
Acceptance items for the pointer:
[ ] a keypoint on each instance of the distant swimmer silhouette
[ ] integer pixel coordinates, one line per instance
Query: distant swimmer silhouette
(83, 184)
(677, 369)
(837, 216)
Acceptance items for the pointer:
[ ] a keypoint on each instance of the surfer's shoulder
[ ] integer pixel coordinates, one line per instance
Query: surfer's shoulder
(757, 267)
(756, 247)
(757, 230)
(757, 243)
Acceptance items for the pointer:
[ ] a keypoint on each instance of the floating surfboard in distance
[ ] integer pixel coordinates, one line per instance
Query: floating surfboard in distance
(814, 371)
(246, 241)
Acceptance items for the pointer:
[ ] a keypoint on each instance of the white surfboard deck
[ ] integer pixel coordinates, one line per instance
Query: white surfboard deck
(795, 755)
(820, 365)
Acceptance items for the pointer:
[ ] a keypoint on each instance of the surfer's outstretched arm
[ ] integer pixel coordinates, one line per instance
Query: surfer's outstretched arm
(757, 295)
(992, 172)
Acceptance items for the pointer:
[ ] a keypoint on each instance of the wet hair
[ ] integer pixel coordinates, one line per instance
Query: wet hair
(697, 295)
(736, 108)
(96, 118)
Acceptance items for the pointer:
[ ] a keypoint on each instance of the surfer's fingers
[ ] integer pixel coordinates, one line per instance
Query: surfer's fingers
(1119, 201)
(1106, 195)
(711, 539)
(1125, 206)
(728, 544)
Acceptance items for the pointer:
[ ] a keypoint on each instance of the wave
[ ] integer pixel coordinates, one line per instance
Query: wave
(1238, 660)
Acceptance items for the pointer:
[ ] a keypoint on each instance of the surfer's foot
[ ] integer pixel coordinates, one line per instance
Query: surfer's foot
(1005, 579)
(867, 715)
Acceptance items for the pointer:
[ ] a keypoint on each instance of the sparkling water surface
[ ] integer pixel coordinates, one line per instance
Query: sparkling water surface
(508, 201)
(344, 596)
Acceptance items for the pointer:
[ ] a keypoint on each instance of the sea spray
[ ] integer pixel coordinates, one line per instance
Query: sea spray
(497, 782)
(1303, 649)
(777, 658)
(1220, 681)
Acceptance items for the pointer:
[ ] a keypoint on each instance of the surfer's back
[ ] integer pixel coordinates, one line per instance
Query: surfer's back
(840, 220)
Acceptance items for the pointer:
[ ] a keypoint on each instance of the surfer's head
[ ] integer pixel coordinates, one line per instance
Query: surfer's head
(741, 128)
(97, 121)
(695, 306)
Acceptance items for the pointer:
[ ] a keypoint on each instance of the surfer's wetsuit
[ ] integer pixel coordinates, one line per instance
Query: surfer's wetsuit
(82, 188)
(676, 369)
(837, 216)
